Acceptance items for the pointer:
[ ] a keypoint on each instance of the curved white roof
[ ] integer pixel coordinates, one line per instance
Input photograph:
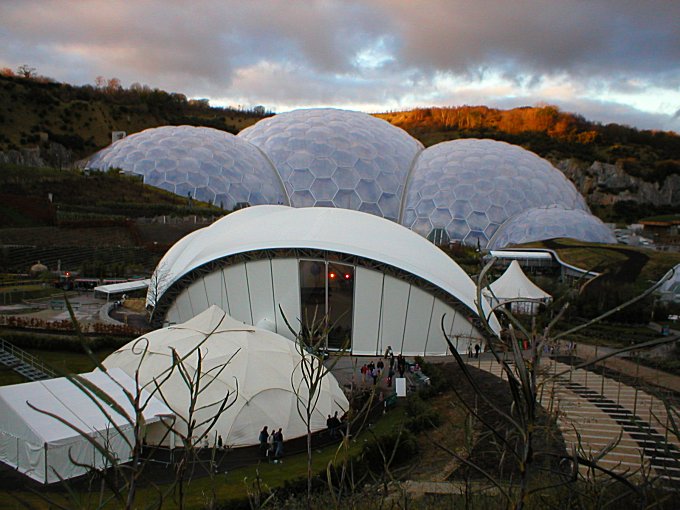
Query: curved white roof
(339, 230)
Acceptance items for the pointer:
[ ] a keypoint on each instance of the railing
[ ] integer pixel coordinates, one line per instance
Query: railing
(27, 358)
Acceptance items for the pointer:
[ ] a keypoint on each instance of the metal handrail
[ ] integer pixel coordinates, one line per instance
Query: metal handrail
(27, 358)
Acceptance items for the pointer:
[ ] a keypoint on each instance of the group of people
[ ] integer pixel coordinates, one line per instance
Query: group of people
(478, 349)
(271, 444)
(334, 425)
(373, 370)
(376, 370)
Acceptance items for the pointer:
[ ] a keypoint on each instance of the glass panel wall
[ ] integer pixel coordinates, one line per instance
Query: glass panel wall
(312, 297)
(340, 299)
(327, 294)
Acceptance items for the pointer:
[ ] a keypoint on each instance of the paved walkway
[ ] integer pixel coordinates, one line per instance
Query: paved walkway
(625, 366)
(597, 414)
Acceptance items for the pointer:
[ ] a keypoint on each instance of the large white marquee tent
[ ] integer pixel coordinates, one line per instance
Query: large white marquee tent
(260, 370)
(44, 448)
(382, 283)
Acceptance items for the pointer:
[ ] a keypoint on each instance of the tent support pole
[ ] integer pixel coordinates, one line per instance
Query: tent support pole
(45, 448)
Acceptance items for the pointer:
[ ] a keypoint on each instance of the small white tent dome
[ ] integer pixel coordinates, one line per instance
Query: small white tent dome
(262, 369)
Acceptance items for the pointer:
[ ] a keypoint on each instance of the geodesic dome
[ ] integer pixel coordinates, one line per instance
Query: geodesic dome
(469, 187)
(262, 368)
(210, 165)
(542, 223)
(338, 158)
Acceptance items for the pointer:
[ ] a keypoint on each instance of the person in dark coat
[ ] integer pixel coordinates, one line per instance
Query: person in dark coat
(278, 443)
(264, 436)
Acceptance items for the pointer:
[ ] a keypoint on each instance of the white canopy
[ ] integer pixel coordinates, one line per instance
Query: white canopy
(670, 289)
(269, 227)
(118, 288)
(262, 369)
(41, 447)
(514, 284)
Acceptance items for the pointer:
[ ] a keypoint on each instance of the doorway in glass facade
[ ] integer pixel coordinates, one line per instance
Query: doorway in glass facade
(327, 294)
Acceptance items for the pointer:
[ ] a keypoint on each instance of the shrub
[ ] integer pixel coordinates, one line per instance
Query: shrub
(402, 443)
(421, 415)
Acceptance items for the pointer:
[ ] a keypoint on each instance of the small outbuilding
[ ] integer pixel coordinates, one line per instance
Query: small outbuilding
(48, 449)
(517, 291)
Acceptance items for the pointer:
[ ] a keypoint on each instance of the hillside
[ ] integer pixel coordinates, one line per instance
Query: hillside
(37, 112)
(623, 173)
(104, 224)
(550, 133)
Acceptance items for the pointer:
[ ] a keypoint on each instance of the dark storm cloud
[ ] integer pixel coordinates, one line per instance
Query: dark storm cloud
(582, 37)
(348, 52)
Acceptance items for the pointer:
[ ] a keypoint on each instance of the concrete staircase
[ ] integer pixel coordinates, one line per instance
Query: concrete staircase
(597, 413)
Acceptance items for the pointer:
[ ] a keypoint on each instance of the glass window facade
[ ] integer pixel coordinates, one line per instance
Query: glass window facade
(327, 297)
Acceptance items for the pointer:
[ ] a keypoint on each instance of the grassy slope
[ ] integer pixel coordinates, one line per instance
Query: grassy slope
(599, 258)
(87, 116)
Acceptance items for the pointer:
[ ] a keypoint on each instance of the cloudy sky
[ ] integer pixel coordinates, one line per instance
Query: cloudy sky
(609, 60)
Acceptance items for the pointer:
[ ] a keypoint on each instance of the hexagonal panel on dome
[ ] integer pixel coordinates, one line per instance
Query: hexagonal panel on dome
(541, 223)
(207, 163)
(482, 183)
(367, 158)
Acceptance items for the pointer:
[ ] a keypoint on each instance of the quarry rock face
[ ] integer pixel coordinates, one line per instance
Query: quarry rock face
(50, 154)
(605, 184)
(23, 157)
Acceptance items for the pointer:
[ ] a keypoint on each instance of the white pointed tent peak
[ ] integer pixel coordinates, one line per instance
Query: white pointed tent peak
(513, 283)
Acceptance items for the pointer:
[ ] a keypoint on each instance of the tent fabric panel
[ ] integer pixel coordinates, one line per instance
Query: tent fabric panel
(368, 297)
(198, 297)
(419, 313)
(393, 317)
(183, 303)
(513, 283)
(286, 278)
(238, 293)
(436, 344)
(261, 293)
(172, 316)
(214, 289)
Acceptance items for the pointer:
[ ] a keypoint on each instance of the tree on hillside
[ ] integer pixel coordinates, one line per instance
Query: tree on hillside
(26, 71)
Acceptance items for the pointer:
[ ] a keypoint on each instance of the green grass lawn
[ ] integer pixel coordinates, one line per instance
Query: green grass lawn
(61, 361)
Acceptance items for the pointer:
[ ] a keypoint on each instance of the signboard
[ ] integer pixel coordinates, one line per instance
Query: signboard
(400, 386)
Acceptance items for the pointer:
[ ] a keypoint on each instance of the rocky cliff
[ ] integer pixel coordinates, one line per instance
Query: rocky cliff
(606, 184)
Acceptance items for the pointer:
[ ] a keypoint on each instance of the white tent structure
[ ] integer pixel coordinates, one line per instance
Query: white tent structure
(670, 289)
(116, 289)
(513, 286)
(43, 448)
(258, 369)
(268, 264)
